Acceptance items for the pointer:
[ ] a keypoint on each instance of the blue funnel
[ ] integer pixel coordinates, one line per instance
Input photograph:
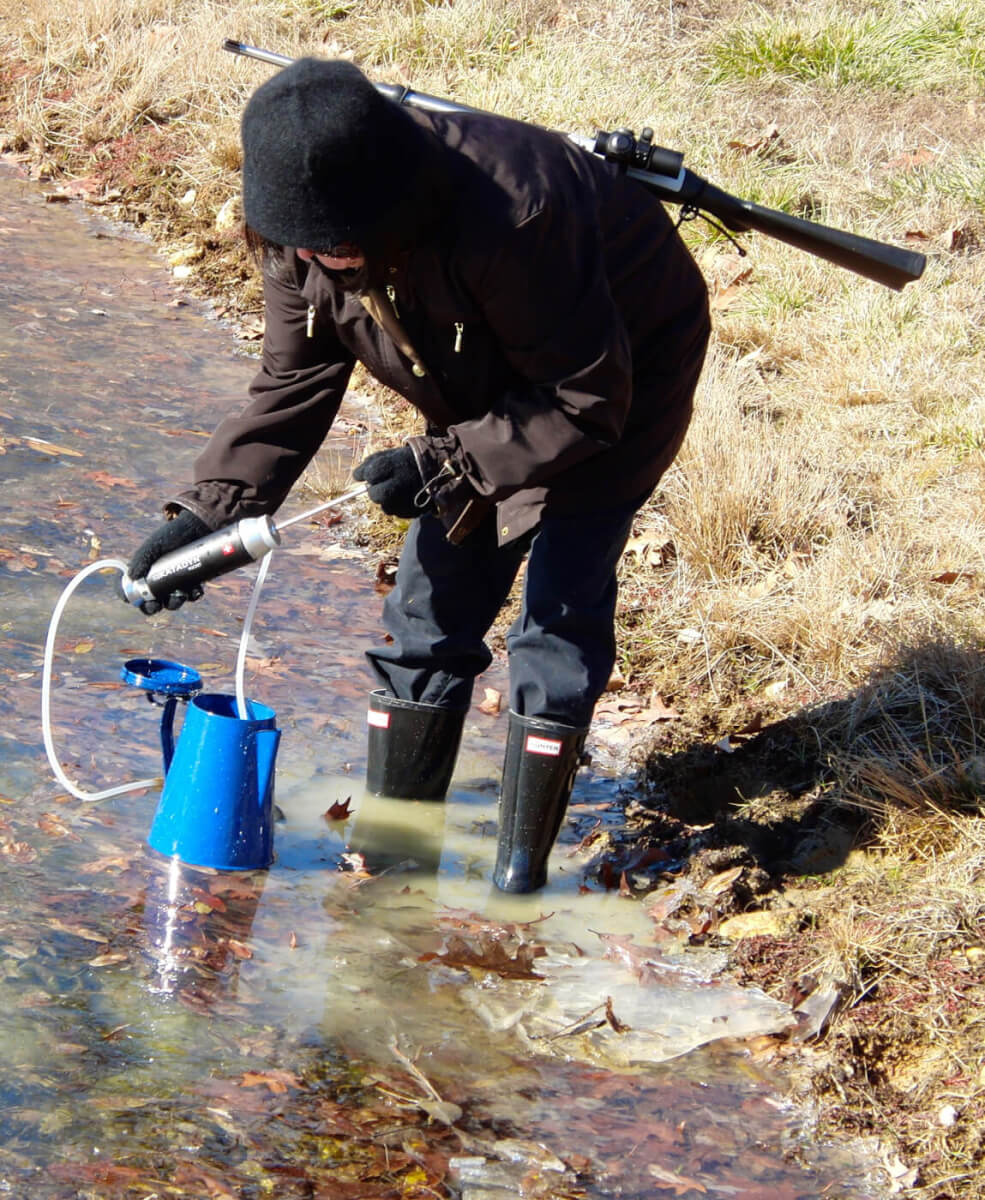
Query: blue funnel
(216, 809)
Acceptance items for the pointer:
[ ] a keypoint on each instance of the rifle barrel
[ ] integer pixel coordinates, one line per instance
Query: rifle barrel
(267, 56)
(392, 91)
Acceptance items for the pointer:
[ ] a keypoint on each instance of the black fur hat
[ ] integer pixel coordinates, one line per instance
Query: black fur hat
(326, 157)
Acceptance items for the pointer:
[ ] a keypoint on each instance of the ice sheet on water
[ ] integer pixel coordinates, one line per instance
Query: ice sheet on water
(603, 1011)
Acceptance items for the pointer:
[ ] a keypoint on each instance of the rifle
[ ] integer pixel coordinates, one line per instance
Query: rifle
(663, 172)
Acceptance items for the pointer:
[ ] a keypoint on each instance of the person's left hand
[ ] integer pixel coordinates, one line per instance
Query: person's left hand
(179, 530)
(394, 481)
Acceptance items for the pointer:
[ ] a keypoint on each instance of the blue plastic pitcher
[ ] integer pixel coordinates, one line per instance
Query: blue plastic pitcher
(217, 806)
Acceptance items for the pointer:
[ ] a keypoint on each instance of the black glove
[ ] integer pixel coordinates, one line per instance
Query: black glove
(183, 529)
(394, 481)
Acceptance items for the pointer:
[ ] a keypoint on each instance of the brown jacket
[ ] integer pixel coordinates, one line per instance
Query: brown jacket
(561, 321)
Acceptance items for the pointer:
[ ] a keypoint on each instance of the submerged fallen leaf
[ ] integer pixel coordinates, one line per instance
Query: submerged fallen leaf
(16, 560)
(19, 852)
(109, 1174)
(670, 1180)
(461, 918)
(490, 956)
(277, 1081)
(52, 824)
(23, 951)
(109, 959)
(272, 666)
(206, 1184)
(80, 931)
(113, 1035)
(47, 447)
(105, 479)
(440, 1110)
(208, 899)
(119, 861)
(491, 703)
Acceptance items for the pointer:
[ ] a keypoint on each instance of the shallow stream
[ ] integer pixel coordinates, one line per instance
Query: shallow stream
(369, 1017)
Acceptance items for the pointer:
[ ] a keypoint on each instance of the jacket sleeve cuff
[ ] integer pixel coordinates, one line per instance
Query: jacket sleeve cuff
(217, 502)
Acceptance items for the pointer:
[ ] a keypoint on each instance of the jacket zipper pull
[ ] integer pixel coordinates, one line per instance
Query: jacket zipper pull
(310, 328)
(459, 332)
(391, 295)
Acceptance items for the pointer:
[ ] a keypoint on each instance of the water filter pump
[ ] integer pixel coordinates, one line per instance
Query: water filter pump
(218, 553)
(208, 558)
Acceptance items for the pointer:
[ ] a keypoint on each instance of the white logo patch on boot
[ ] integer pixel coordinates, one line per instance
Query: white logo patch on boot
(380, 719)
(542, 745)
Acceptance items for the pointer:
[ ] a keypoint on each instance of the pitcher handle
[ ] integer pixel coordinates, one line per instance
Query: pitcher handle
(167, 731)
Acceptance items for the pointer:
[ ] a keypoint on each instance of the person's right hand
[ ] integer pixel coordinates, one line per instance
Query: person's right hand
(181, 530)
(394, 481)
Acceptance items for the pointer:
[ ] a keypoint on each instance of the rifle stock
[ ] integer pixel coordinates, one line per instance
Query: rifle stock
(881, 262)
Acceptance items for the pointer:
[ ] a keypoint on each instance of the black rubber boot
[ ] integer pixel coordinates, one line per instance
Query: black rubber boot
(412, 747)
(538, 773)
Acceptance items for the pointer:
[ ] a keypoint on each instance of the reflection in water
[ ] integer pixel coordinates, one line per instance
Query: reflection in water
(308, 1032)
(396, 835)
(198, 926)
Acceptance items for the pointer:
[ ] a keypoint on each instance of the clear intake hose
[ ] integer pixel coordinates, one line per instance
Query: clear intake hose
(104, 564)
(241, 705)
(114, 564)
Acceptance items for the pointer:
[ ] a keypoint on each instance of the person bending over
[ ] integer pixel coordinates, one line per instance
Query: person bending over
(540, 310)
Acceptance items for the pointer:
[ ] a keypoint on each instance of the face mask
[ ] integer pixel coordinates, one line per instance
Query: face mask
(353, 280)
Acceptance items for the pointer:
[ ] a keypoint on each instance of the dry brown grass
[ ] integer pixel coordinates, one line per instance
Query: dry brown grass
(817, 548)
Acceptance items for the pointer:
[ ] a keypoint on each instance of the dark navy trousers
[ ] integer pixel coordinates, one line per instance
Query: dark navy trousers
(562, 646)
